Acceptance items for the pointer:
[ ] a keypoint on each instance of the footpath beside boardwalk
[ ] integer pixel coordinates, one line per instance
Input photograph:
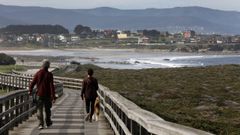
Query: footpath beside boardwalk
(68, 119)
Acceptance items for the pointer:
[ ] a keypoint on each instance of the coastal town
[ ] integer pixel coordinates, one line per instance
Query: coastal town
(85, 35)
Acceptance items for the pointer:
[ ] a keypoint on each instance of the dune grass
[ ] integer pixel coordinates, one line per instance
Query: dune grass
(9, 68)
(2, 92)
(207, 98)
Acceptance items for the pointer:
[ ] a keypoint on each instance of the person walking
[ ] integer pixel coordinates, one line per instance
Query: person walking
(45, 93)
(89, 93)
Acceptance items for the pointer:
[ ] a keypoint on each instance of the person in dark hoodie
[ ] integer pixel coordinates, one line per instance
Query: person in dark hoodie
(89, 93)
(45, 93)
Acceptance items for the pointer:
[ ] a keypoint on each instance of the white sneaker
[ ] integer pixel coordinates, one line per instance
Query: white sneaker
(40, 127)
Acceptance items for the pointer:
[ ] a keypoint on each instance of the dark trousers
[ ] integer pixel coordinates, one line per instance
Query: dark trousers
(90, 103)
(44, 103)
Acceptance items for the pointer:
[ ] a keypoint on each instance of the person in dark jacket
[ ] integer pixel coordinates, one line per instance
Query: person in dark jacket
(89, 93)
(45, 93)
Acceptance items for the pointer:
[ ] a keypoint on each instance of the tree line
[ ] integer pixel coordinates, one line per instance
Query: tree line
(43, 29)
(32, 29)
(58, 29)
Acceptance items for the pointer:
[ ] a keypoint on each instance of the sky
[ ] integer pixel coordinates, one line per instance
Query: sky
(233, 5)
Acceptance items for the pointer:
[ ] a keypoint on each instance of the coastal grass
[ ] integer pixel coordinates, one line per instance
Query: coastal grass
(9, 68)
(206, 98)
(3, 91)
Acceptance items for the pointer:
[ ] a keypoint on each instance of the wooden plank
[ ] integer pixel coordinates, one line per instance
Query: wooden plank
(70, 107)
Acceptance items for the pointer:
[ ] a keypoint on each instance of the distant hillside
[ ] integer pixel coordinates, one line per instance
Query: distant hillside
(172, 19)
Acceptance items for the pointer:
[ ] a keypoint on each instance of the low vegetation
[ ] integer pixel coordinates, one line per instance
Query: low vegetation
(9, 68)
(2, 92)
(206, 98)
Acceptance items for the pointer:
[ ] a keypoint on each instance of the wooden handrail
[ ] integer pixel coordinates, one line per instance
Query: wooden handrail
(15, 108)
(16, 81)
(126, 118)
(67, 82)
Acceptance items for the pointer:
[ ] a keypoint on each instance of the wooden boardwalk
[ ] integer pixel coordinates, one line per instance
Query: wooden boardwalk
(68, 113)
(68, 119)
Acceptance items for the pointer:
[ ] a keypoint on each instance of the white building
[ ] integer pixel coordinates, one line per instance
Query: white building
(39, 39)
(19, 38)
(62, 38)
(75, 38)
(143, 40)
(219, 42)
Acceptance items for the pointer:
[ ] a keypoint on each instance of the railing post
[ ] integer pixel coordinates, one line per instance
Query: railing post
(20, 82)
(21, 107)
(11, 82)
(17, 109)
(27, 105)
(4, 79)
(16, 81)
(12, 113)
(24, 82)
(28, 82)
(1, 79)
(7, 115)
(1, 119)
(6, 83)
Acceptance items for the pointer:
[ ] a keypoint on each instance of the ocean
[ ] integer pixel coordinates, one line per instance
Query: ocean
(134, 59)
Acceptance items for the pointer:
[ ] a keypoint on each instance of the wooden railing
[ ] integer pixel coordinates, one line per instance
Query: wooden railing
(23, 82)
(126, 118)
(16, 81)
(67, 82)
(70, 83)
(16, 106)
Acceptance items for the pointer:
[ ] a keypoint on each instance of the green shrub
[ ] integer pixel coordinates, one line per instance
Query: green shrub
(74, 62)
(6, 60)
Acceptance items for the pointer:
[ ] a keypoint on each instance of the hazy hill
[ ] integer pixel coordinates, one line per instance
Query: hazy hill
(172, 19)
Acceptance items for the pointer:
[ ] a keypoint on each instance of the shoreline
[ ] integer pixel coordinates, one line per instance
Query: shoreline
(144, 50)
(126, 58)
